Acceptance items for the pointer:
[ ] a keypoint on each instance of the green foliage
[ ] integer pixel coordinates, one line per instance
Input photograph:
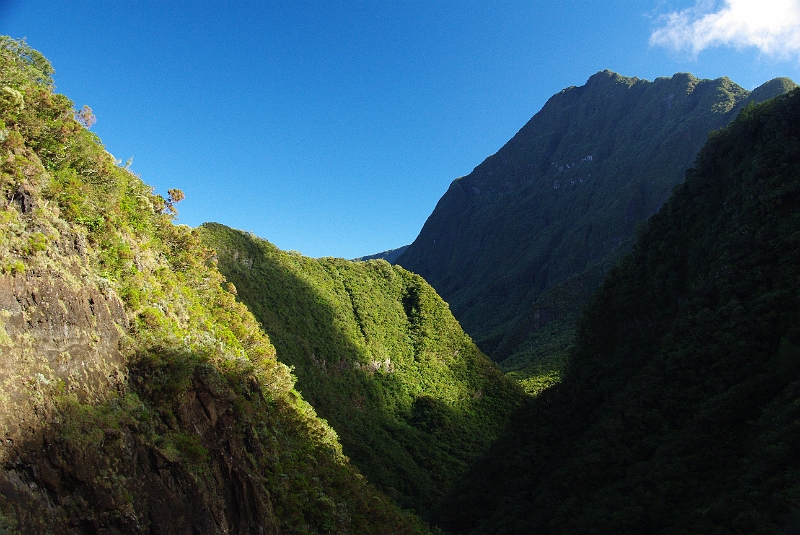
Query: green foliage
(201, 400)
(37, 242)
(679, 410)
(12, 267)
(21, 62)
(8, 525)
(379, 355)
(86, 426)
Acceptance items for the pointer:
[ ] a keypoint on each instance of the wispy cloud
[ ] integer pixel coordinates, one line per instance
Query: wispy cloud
(772, 26)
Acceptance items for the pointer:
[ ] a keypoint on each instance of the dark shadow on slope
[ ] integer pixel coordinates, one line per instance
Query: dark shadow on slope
(679, 411)
(186, 450)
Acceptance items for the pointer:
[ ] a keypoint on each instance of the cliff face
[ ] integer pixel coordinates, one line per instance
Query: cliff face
(76, 478)
(55, 331)
(136, 394)
(563, 197)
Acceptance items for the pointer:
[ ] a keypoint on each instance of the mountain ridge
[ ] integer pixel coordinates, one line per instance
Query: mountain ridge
(389, 255)
(379, 355)
(136, 395)
(139, 394)
(565, 194)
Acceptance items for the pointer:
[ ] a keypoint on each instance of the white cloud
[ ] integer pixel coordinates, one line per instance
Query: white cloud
(772, 26)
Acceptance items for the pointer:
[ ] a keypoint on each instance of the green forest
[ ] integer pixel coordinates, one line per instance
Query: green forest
(162, 379)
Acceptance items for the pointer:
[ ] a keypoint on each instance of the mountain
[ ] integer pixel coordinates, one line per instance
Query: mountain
(136, 394)
(379, 355)
(679, 410)
(390, 255)
(554, 208)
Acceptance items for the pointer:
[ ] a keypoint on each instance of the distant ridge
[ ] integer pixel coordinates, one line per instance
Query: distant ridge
(561, 201)
(390, 255)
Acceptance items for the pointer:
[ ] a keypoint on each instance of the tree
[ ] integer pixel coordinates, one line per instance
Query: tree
(85, 117)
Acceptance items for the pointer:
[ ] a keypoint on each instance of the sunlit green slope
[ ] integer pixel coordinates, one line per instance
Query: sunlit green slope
(680, 410)
(136, 394)
(379, 355)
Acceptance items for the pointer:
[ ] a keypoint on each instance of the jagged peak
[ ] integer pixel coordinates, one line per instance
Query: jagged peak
(607, 75)
(772, 88)
(678, 77)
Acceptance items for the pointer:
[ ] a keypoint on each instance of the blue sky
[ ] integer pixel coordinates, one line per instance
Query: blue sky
(333, 127)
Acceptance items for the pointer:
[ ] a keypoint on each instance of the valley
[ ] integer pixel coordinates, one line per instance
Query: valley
(624, 268)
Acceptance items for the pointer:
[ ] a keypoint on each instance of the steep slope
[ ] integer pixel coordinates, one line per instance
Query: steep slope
(562, 199)
(380, 356)
(679, 412)
(390, 255)
(136, 395)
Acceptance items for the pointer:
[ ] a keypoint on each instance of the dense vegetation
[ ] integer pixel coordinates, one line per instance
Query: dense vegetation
(519, 245)
(136, 394)
(379, 355)
(680, 410)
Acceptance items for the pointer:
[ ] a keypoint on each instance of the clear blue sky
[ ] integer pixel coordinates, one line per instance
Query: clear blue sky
(333, 127)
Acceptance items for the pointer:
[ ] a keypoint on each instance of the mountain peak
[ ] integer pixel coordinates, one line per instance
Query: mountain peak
(678, 413)
(565, 193)
(607, 75)
(772, 88)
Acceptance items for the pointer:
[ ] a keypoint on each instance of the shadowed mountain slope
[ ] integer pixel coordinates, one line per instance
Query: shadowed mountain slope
(562, 200)
(679, 410)
(379, 355)
(390, 255)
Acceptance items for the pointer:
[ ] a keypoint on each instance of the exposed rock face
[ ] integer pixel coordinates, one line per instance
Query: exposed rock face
(132, 487)
(55, 336)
